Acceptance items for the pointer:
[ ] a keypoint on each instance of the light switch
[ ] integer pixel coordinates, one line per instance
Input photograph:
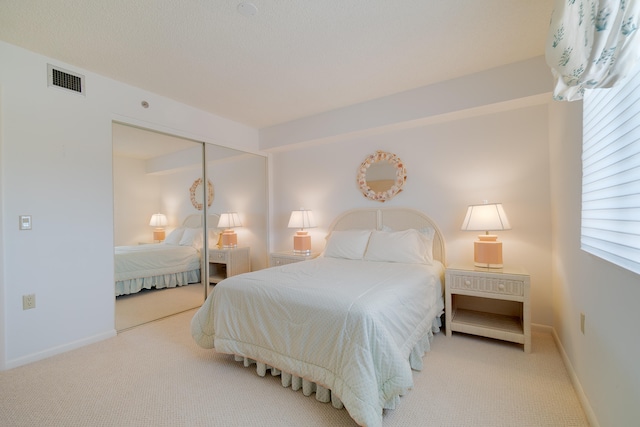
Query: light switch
(25, 222)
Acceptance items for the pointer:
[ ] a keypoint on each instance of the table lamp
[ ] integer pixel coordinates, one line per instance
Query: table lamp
(159, 221)
(229, 221)
(301, 219)
(486, 217)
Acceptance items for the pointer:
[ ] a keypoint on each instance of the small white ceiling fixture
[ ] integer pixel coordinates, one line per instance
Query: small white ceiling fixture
(247, 9)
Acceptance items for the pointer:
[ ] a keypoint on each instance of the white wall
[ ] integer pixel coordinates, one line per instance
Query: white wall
(243, 188)
(502, 157)
(136, 196)
(239, 185)
(56, 165)
(604, 358)
(416, 107)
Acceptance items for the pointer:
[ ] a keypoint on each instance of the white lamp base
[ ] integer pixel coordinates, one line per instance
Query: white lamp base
(487, 252)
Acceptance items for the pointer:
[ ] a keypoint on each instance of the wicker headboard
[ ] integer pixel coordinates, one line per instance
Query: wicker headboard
(396, 219)
(195, 221)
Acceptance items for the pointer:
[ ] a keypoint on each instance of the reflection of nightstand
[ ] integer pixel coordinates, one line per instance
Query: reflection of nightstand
(489, 302)
(282, 258)
(225, 263)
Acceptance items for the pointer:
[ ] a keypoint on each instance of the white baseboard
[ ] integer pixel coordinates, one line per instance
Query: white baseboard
(586, 406)
(59, 350)
(535, 327)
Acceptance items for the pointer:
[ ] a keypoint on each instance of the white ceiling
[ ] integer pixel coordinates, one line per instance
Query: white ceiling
(291, 59)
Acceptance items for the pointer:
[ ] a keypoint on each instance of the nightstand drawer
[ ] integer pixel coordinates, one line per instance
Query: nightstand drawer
(284, 258)
(487, 284)
(221, 256)
(275, 261)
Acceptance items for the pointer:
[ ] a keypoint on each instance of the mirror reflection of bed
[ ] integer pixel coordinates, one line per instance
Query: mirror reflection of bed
(155, 280)
(153, 173)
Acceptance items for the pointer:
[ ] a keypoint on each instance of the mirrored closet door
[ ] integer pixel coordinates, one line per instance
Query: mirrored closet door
(157, 272)
(162, 189)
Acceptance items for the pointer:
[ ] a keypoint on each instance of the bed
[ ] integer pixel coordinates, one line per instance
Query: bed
(349, 325)
(174, 262)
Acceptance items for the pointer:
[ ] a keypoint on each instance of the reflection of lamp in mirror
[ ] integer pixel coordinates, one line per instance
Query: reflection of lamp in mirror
(229, 221)
(301, 241)
(486, 217)
(159, 221)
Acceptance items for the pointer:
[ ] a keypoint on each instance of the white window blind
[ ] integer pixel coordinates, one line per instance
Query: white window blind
(611, 173)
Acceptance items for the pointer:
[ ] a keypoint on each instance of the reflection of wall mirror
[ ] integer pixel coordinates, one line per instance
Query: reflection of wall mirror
(381, 176)
(196, 195)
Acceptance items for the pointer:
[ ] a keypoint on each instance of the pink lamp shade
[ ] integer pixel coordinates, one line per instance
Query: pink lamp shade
(486, 217)
(301, 219)
(229, 221)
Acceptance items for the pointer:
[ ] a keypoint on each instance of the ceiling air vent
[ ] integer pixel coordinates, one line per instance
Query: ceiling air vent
(64, 79)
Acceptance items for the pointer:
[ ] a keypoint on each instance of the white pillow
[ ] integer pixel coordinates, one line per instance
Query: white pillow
(174, 237)
(192, 237)
(427, 234)
(348, 244)
(397, 246)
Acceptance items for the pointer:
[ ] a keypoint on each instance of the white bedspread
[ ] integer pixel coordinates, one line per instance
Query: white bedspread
(347, 325)
(153, 260)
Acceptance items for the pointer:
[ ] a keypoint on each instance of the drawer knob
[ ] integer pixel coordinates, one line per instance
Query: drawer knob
(467, 283)
(501, 286)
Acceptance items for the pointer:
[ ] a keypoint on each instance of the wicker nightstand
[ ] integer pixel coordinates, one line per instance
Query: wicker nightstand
(282, 258)
(492, 303)
(225, 263)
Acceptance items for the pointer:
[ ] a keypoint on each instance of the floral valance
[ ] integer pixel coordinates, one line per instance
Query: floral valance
(592, 44)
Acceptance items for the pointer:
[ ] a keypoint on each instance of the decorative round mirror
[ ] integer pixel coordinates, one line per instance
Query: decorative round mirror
(197, 196)
(381, 176)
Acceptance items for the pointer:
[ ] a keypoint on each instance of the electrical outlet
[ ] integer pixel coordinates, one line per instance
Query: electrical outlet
(25, 222)
(582, 323)
(28, 301)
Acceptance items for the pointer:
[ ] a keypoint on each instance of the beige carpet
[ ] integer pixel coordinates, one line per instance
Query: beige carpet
(153, 304)
(155, 375)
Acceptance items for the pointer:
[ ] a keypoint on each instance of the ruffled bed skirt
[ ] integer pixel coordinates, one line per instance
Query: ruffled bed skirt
(126, 287)
(324, 394)
(296, 383)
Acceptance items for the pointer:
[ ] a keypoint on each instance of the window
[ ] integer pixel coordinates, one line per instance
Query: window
(611, 173)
